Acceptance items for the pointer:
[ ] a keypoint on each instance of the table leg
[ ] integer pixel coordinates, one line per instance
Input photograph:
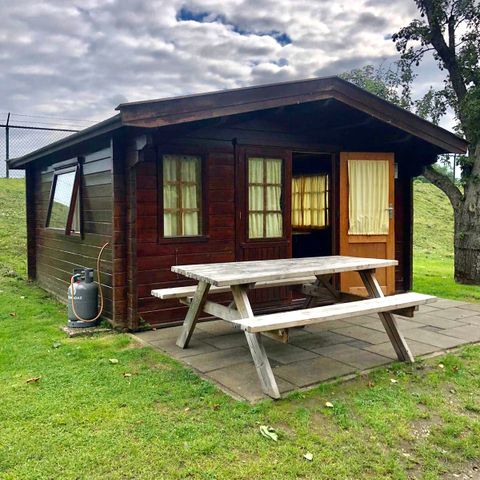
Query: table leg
(321, 281)
(388, 320)
(193, 313)
(254, 340)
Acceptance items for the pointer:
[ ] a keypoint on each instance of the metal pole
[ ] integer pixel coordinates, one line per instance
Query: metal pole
(7, 146)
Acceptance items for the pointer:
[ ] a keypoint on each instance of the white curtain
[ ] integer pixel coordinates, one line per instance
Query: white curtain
(310, 201)
(368, 184)
(181, 195)
(265, 218)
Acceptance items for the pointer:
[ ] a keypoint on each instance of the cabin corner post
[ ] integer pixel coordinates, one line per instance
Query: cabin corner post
(119, 244)
(130, 162)
(31, 223)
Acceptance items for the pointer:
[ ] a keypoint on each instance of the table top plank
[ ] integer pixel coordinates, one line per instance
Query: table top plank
(237, 273)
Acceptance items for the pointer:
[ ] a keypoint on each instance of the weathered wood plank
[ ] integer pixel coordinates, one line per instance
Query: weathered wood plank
(237, 273)
(182, 292)
(254, 340)
(193, 313)
(338, 311)
(388, 320)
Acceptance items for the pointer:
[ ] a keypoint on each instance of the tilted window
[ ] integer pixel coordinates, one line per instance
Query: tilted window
(265, 216)
(64, 204)
(368, 185)
(310, 201)
(182, 195)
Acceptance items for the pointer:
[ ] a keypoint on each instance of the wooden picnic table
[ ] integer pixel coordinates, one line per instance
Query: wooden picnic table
(239, 277)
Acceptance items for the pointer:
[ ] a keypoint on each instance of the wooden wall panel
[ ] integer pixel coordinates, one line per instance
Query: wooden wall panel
(56, 254)
(156, 256)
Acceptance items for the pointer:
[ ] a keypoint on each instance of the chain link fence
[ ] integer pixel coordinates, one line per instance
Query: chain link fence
(22, 134)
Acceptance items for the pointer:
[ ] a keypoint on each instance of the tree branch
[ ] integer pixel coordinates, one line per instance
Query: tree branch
(446, 53)
(445, 185)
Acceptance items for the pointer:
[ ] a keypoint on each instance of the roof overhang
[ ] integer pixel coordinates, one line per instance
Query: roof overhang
(174, 111)
(193, 108)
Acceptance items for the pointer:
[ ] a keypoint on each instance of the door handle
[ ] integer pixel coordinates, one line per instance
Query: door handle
(390, 211)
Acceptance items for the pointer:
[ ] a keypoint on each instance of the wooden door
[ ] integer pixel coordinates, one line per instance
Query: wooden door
(367, 215)
(263, 187)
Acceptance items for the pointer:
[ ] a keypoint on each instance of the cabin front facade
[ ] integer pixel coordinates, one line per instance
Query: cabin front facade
(298, 169)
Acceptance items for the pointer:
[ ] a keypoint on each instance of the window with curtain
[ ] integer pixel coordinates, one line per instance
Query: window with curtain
(368, 184)
(310, 201)
(182, 190)
(64, 204)
(265, 216)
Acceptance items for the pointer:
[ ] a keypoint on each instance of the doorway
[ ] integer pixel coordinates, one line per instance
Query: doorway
(312, 232)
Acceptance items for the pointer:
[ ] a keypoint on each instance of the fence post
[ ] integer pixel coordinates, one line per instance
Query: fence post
(7, 146)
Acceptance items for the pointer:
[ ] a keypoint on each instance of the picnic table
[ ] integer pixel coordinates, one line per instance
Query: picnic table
(313, 273)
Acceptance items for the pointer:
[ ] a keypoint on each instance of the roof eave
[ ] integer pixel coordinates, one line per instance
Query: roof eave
(151, 114)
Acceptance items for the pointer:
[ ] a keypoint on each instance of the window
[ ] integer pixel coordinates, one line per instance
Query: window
(368, 185)
(265, 217)
(310, 201)
(64, 204)
(182, 195)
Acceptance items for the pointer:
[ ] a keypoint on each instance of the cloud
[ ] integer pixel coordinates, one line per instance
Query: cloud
(80, 59)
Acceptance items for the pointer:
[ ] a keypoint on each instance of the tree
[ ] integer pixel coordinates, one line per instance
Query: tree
(450, 30)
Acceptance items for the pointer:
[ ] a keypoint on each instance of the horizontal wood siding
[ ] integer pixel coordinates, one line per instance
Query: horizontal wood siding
(155, 258)
(58, 254)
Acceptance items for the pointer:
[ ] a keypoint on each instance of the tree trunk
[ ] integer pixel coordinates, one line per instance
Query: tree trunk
(467, 244)
(467, 228)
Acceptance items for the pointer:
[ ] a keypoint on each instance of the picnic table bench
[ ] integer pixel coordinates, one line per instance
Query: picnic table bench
(313, 273)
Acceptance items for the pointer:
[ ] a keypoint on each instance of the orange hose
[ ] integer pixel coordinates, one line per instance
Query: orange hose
(100, 291)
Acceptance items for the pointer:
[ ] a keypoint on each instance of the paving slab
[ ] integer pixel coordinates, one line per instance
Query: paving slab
(195, 347)
(433, 338)
(323, 339)
(387, 350)
(316, 353)
(362, 333)
(471, 333)
(236, 339)
(242, 380)
(309, 372)
(219, 359)
(456, 313)
(436, 320)
(356, 357)
(287, 353)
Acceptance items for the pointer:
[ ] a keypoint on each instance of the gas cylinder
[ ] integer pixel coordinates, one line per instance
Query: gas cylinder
(85, 299)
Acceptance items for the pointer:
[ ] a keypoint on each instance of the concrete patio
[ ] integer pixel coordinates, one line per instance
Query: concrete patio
(219, 353)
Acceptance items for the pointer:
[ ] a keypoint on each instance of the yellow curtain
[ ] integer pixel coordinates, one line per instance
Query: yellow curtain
(368, 182)
(190, 169)
(265, 217)
(310, 201)
(274, 219)
(181, 195)
(256, 207)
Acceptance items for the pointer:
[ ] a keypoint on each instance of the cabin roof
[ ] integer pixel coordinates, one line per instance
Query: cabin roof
(192, 108)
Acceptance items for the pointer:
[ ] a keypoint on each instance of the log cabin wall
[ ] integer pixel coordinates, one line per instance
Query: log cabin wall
(55, 254)
(155, 257)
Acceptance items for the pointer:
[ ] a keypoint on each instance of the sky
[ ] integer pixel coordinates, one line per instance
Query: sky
(78, 60)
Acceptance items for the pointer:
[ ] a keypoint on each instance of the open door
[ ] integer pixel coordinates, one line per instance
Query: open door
(263, 226)
(367, 215)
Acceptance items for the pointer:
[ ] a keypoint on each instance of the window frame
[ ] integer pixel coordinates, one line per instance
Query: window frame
(266, 153)
(75, 197)
(328, 192)
(203, 236)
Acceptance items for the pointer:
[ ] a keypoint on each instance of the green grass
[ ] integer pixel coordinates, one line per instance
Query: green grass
(83, 418)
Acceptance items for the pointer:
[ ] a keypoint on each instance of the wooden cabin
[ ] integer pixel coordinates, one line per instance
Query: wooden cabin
(296, 169)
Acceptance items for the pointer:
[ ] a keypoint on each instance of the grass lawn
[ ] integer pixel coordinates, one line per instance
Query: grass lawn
(69, 412)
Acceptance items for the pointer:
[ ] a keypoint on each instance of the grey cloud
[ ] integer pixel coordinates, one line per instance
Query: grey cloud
(82, 60)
